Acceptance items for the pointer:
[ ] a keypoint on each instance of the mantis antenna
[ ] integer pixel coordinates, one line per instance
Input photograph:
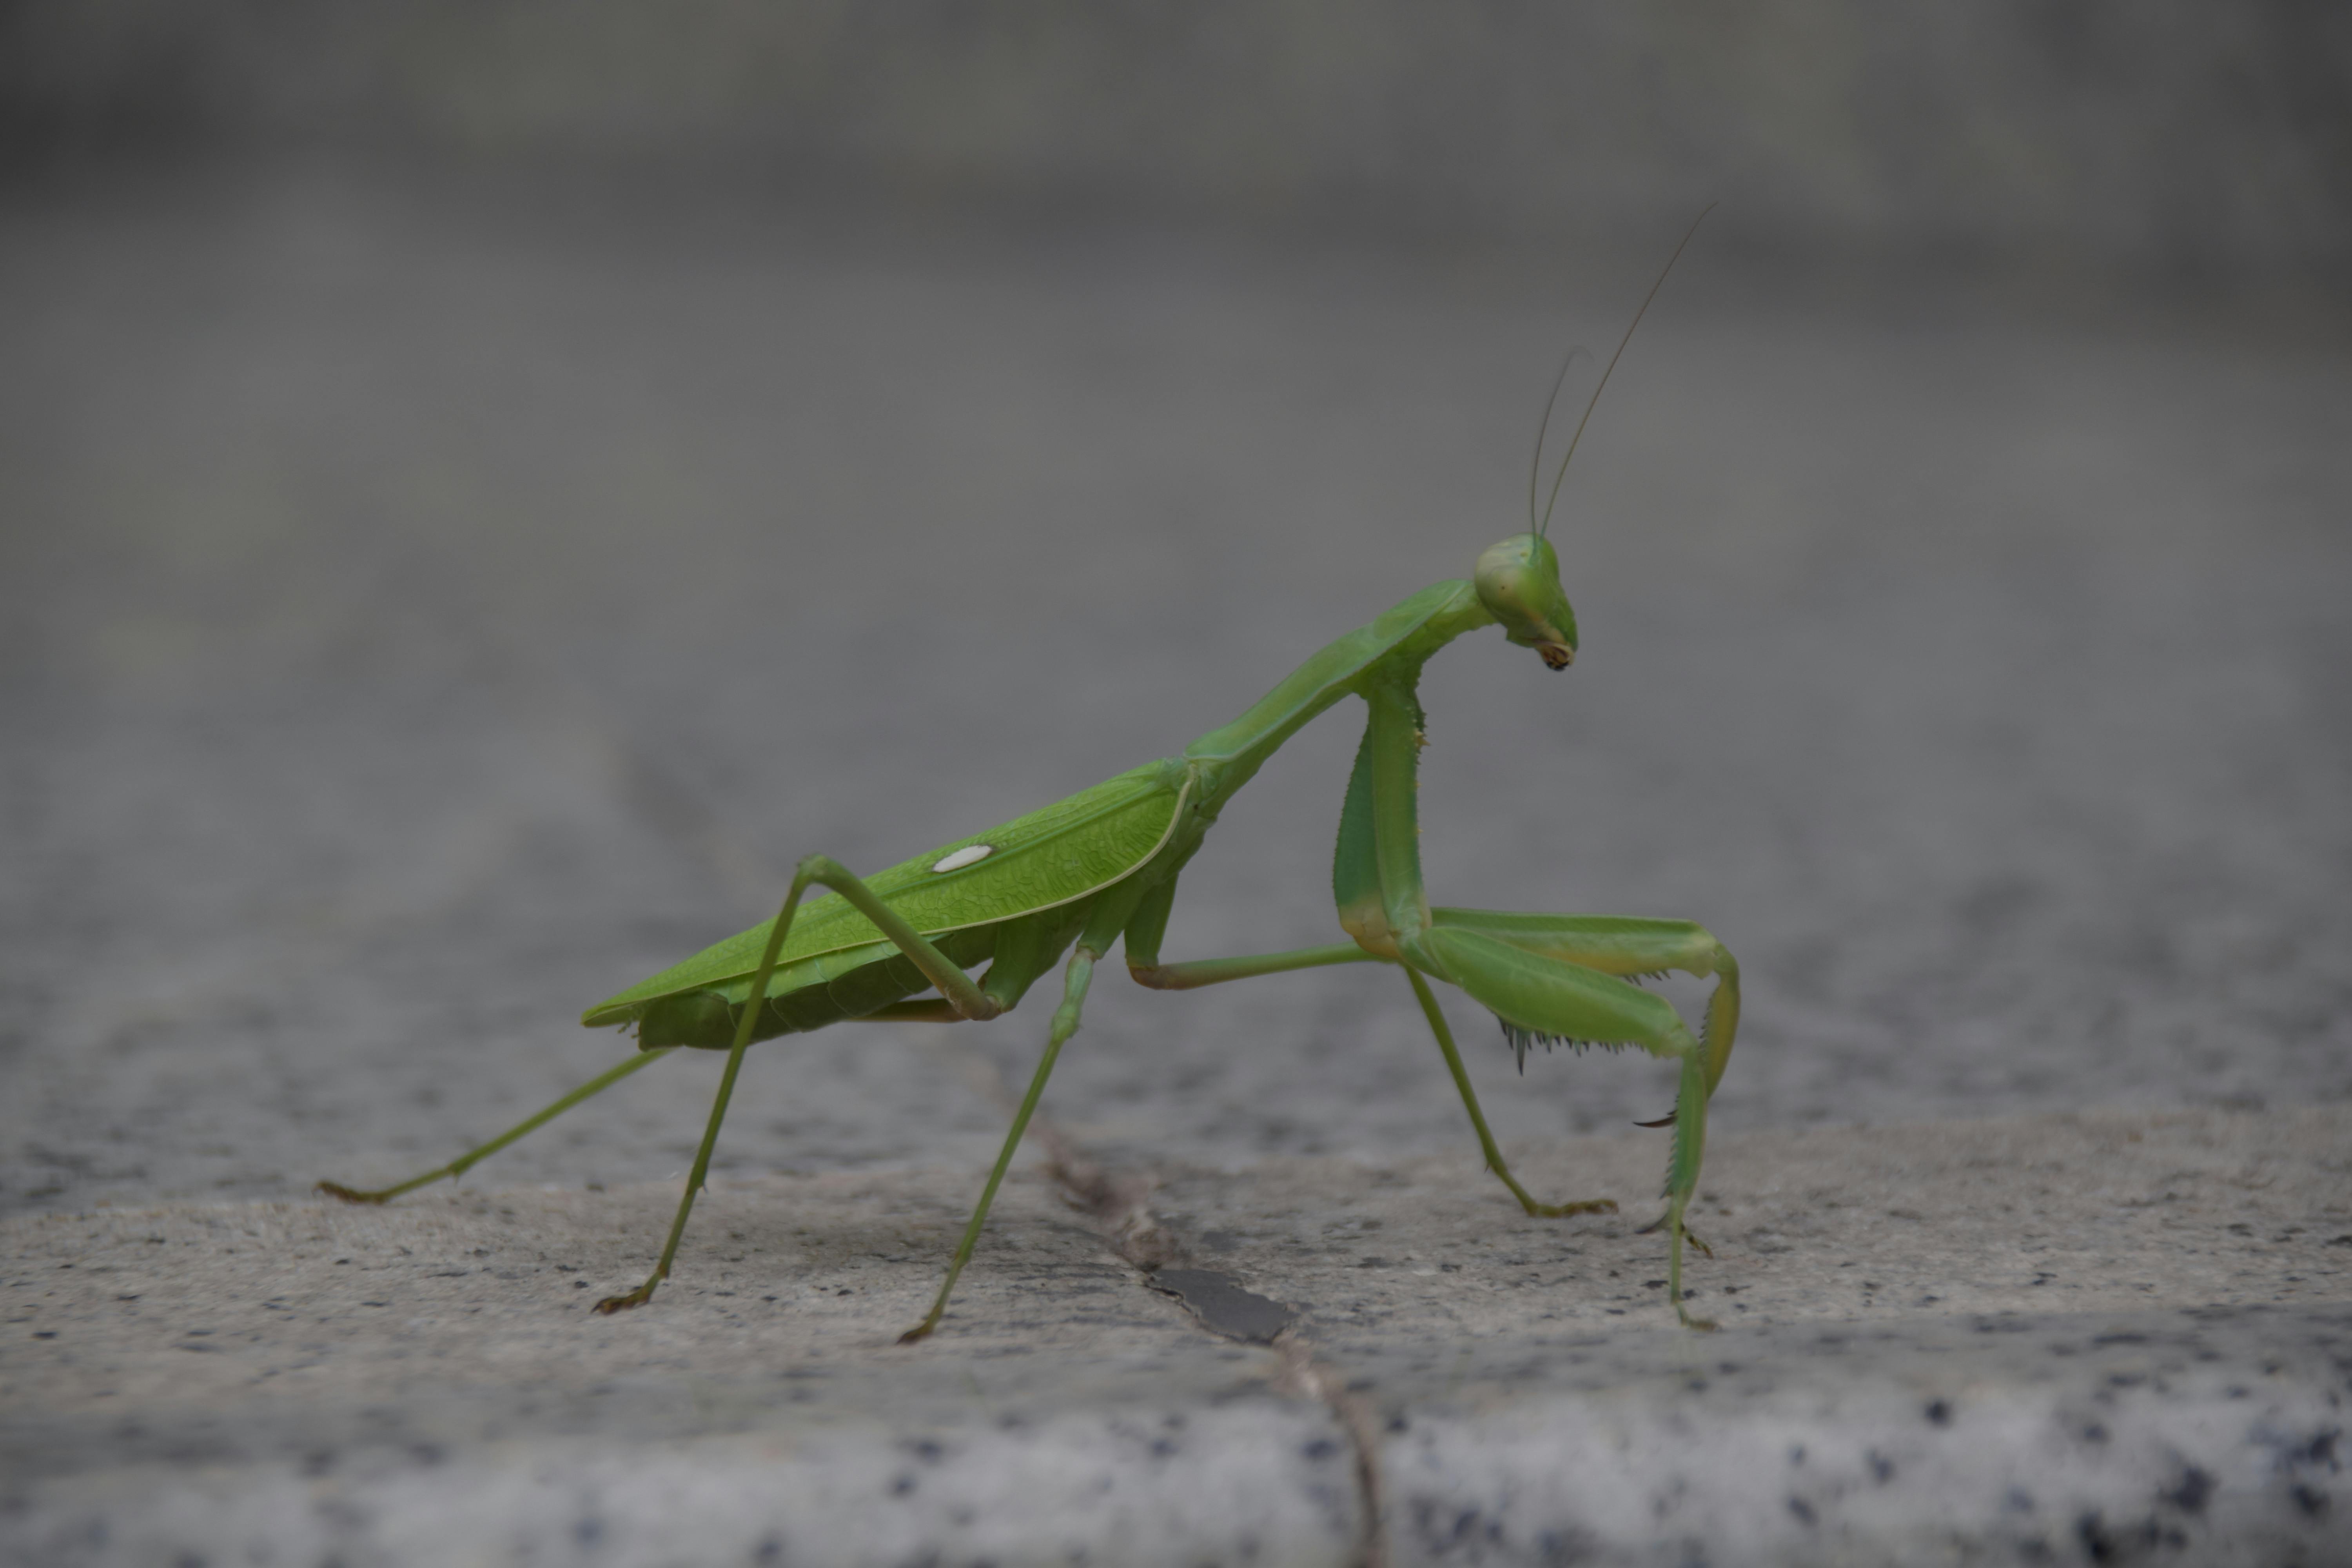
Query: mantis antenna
(1535, 463)
(1593, 401)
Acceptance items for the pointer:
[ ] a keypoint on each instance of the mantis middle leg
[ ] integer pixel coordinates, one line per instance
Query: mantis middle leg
(1108, 915)
(1147, 971)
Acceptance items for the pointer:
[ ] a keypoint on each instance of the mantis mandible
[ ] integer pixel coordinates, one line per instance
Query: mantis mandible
(1102, 866)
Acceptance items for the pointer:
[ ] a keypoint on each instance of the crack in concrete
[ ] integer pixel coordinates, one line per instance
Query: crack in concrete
(1118, 1204)
(1120, 1207)
(1299, 1372)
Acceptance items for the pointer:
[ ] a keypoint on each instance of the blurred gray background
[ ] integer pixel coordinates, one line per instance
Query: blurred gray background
(483, 487)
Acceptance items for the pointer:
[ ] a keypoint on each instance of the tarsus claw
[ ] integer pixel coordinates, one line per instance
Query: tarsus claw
(350, 1195)
(1665, 1121)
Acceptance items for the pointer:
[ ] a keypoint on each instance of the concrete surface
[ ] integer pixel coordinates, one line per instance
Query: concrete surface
(2078, 1335)
(422, 617)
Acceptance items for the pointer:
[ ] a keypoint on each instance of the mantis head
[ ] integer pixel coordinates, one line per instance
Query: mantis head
(1518, 582)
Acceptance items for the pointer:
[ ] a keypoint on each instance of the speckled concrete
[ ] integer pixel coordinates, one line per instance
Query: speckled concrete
(423, 1384)
(2082, 1333)
(2204, 1435)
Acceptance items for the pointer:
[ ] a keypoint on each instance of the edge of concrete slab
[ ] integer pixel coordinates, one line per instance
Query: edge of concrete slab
(2060, 1439)
(1247, 1481)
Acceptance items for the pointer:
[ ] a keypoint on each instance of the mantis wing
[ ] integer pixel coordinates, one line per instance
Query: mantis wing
(1057, 856)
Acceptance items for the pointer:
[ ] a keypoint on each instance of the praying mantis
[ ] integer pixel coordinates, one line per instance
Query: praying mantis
(1101, 867)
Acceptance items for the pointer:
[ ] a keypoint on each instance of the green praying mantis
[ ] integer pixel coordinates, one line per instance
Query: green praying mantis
(1101, 867)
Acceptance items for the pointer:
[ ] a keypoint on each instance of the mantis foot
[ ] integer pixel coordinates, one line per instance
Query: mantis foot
(1586, 1206)
(352, 1194)
(637, 1298)
(1676, 1234)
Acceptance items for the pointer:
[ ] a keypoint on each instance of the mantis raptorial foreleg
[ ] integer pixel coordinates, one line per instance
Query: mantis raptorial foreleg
(1552, 999)
(1628, 946)
(1486, 1144)
(1376, 882)
(1525, 968)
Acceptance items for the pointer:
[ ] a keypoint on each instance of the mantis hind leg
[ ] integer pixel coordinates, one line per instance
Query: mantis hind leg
(967, 1000)
(458, 1166)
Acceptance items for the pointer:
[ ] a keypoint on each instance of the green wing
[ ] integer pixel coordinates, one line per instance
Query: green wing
(1056, 856)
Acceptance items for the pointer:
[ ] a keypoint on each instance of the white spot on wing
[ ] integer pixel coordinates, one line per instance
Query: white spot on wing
(970, 855)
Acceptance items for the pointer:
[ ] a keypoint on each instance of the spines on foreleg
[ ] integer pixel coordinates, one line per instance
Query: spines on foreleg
(1521, 1037)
